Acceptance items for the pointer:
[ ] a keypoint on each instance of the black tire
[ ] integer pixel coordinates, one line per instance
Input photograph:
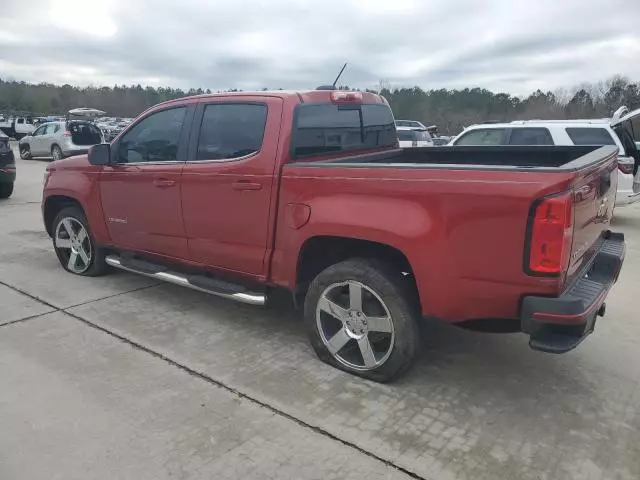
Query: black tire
(56, 153)
(25, 152)
(6, 190)
(97, 265)
(398, 297)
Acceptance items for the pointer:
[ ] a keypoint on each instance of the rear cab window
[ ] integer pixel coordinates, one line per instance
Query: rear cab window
(328, 128)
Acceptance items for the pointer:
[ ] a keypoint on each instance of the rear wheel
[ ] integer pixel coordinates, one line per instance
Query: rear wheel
(25, 152)
(74, 244)
(362, 318)
(56, 153)
(6, 190)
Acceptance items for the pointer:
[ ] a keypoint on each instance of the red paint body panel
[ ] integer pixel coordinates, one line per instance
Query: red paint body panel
(463, 231)
(141, 212)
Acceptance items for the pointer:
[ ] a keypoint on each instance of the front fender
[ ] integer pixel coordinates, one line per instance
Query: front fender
(83, 188)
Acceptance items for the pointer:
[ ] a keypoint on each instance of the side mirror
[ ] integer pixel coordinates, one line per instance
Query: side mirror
(100, 154)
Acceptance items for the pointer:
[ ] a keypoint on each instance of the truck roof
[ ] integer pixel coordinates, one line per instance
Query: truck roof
(304, 96)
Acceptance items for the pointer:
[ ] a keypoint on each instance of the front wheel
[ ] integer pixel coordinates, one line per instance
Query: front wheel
(362, 318)
(74, 245)
(6, 190)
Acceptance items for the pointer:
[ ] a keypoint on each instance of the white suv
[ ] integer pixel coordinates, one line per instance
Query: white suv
(619, 132)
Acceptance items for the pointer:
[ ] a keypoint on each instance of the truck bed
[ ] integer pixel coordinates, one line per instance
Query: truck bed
(459, 214)
(568, 158)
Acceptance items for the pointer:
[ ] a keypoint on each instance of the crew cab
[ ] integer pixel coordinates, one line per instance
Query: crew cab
(243, 194)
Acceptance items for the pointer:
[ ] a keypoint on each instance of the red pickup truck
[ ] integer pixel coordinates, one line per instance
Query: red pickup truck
(241, 194)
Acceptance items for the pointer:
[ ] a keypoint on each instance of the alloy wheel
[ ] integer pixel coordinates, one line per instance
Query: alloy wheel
(355, 325)
(74, 245)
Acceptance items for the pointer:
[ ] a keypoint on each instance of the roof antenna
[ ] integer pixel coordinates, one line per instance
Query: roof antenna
(333, 86)
(339, 75)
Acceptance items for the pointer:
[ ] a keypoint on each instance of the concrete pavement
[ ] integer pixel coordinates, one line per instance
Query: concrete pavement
(106, 378)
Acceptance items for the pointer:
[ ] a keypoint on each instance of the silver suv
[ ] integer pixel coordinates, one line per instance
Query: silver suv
(58, 140)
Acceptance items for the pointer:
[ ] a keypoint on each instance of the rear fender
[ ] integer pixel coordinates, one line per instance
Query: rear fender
(359, 217)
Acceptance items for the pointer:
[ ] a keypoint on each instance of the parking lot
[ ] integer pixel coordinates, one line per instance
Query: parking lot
(121, 377)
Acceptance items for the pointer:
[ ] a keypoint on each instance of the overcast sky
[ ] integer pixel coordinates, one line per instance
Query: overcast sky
(515, 46)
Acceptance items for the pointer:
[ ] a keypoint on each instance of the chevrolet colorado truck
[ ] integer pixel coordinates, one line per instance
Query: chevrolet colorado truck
(243, 194)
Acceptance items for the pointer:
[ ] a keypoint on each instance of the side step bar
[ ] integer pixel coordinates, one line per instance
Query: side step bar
(194, 282)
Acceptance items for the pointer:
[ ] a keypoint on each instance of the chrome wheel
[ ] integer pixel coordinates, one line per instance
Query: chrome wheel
(25, 153)
(355, 325)
(73, 245)
(56, 153)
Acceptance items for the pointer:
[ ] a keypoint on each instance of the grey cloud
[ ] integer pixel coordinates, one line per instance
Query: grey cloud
(283, 43)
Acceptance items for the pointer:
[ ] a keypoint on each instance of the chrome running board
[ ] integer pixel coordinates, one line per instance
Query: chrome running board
(226, 290)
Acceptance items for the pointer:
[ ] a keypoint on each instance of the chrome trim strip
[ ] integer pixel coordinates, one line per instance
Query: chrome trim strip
(224, 160)
(177, 279)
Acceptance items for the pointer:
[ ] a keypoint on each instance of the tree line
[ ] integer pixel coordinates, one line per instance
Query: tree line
(450, 109)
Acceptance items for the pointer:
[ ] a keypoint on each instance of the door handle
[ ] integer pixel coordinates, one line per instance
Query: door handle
(246, 185)
(164, 183)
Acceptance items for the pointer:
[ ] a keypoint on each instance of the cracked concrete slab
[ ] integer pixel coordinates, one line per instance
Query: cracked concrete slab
(16, 306)
(79, 404)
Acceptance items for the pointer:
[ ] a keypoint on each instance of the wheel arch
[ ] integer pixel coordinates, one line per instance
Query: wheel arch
(53, 205)
(319, 252)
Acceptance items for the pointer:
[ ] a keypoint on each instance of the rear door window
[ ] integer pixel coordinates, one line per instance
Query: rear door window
(483, 136)
(530, 136)
(329, 128)
(590, 136)
(231, 130)
(50, 129)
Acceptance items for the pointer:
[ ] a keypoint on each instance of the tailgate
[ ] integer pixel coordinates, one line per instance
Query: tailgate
(594, 195)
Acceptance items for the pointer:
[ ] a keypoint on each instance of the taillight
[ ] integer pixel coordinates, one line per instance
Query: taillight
(339, 96)
(625, 165)
(551, 235)
(67, 133)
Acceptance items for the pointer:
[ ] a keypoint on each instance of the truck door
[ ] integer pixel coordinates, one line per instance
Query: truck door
(229, 182)
(140, 189)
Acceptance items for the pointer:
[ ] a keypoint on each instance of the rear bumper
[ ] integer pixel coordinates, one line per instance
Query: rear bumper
(559, 324)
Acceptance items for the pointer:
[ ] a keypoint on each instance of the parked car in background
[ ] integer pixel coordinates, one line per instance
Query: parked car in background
(409, 137)
(7, 167)
(566, 132)
(58, 140)
(17, 126)
(111, 127)
(413, 124)
(240, 194)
